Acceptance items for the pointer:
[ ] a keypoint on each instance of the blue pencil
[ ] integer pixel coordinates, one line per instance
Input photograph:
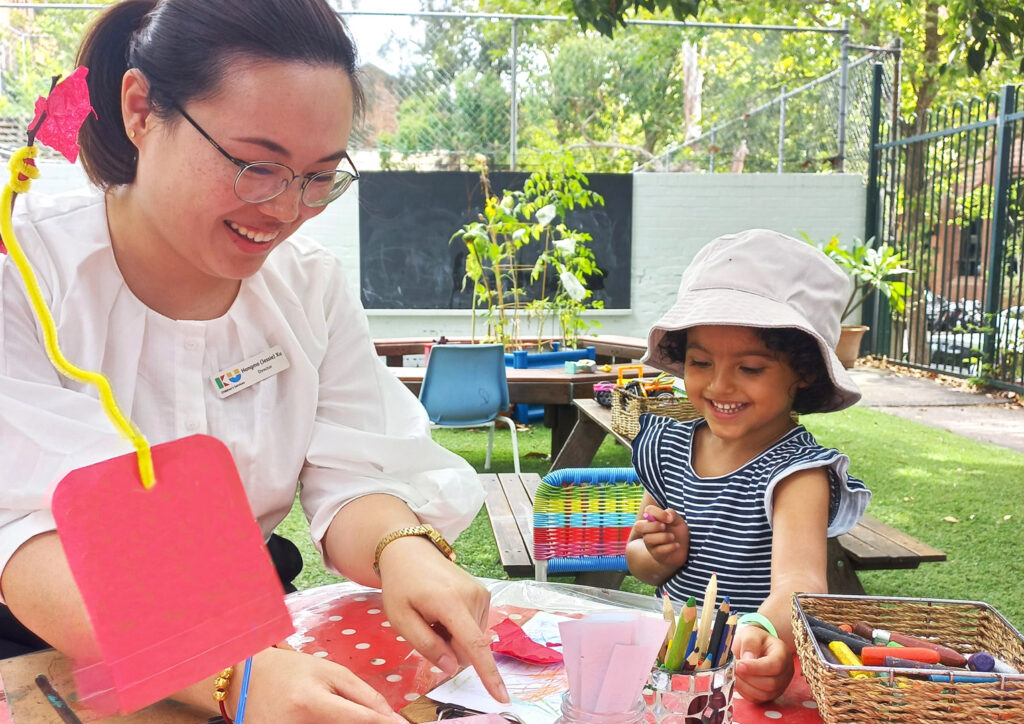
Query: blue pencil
(691, 644)
(730, 630)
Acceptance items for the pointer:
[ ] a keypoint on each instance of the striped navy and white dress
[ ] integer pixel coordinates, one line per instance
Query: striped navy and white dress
(729, 517)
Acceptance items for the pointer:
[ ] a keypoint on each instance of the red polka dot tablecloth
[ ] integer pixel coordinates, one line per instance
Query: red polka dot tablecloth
(351, 629)
(796, 705)
(346, 624)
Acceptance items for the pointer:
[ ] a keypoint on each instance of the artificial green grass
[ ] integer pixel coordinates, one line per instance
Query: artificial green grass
(920, 478)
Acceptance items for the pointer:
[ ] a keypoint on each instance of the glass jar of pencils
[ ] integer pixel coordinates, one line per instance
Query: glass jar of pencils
(573, 715)
(701, 696)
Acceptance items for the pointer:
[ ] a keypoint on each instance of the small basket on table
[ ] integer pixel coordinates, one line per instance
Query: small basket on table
(635, 397)
(966, 626)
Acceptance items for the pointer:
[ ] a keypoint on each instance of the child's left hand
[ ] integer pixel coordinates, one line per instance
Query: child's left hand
(665, 534)
(764, 664)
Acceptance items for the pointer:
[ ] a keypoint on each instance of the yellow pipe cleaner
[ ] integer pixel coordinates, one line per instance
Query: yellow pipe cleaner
(20, 167)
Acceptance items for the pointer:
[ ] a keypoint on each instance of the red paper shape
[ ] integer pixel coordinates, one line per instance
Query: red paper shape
(513, 641)
(66, 108)
(176, 579)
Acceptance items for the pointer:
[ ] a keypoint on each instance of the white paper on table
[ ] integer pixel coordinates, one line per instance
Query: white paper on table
(536, 690)
(543, 628)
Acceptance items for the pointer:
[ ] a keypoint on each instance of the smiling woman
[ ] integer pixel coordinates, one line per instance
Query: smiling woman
(280, 115)
(221, 128)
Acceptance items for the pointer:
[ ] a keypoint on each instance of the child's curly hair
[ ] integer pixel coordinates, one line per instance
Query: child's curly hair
(804, 357)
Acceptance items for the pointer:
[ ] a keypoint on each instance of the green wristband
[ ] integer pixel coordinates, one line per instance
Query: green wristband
(761, 620)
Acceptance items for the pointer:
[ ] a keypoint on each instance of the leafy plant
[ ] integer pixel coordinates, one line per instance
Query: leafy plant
(872, 269)
(557, 280)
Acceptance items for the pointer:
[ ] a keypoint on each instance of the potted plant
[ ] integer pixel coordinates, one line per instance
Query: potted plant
(553, 287)
(873, 269)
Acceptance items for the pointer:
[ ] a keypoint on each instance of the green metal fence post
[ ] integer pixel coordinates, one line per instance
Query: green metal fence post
(1000, 204)
(871, 207)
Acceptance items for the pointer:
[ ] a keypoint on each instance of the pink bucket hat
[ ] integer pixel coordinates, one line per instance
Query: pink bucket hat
(761, 278)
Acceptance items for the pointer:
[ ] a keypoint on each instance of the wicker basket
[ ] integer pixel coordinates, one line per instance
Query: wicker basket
(627, 408)
(962, 625)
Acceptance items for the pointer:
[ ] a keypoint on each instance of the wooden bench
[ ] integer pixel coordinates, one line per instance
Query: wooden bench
(871, 545)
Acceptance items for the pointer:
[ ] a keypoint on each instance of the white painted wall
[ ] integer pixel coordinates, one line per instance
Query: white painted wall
(673, 216)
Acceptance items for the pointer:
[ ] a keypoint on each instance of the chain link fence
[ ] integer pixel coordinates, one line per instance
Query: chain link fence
(661, 96)
(821, 126)
(445, 88)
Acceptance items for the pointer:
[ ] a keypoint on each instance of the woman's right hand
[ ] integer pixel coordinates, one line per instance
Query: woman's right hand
(288, 686)
(665, 534)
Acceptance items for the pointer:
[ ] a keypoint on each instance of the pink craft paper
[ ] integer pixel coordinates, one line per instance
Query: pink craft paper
(483, 719)
(513, 641)
(603, 644)
(571, 642)
(629, 668)
(176, 579)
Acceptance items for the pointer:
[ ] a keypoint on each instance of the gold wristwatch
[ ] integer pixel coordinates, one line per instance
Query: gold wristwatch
(427, 531)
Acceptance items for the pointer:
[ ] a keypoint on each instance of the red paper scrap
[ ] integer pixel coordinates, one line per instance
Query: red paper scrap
(66, 108)
(513, 641)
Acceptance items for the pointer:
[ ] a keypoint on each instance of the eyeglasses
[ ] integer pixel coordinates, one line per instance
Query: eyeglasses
(262, 181)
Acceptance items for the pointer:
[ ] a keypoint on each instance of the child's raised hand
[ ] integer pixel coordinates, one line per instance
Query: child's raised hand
(665, 534)
(764, 665)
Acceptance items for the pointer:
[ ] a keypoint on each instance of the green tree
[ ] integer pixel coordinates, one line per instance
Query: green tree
(41, 44)
(978, 30)
(619, 103)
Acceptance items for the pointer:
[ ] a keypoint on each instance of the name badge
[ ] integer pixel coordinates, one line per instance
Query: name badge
(250, 371)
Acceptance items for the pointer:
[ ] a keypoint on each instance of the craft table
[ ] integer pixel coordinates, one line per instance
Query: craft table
(552, 387)
(345, 623)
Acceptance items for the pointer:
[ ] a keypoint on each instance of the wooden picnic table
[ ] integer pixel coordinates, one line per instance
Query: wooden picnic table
(552, 387)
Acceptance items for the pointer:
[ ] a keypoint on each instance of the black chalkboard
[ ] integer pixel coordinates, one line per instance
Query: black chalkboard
(406, 219)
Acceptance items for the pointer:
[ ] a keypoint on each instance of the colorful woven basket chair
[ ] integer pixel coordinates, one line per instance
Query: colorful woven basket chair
(582, 518)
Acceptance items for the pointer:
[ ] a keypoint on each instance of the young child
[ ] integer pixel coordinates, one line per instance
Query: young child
(745, 492)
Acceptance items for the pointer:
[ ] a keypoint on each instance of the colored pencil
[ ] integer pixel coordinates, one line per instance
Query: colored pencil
(707, 612)
(730, 631)
(669, 615)
(692, 662)
(716, 633)
(56, 701)
(692, 643)
(677, 649)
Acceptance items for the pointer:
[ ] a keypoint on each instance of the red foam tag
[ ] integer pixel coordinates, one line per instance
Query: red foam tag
(176, 579)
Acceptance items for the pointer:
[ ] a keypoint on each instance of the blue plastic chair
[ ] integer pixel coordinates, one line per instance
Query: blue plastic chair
(465, 386)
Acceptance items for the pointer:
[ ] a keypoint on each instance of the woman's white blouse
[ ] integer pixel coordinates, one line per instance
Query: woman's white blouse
(337, 419)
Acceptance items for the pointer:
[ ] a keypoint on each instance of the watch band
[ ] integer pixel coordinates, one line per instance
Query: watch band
(426, 531)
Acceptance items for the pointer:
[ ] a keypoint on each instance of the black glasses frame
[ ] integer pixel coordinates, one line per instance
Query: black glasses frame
(306, 177)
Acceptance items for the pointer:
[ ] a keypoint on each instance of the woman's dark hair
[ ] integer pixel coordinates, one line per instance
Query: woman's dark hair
(804, 357)
(184, 48)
